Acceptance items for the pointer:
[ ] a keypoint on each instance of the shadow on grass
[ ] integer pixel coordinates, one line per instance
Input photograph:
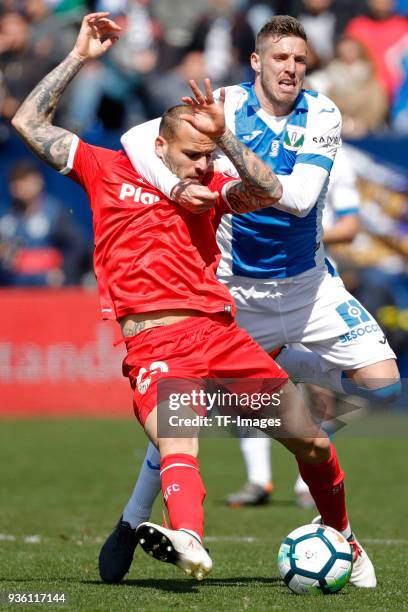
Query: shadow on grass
(187, 586)
(270, 504)
(190, 586)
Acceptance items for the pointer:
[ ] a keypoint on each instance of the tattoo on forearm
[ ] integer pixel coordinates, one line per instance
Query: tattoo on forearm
(260, 186)
(239, 201)
(33, 120)
(48, 92)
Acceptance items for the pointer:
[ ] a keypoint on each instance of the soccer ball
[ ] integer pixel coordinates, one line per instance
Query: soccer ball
(315, 559)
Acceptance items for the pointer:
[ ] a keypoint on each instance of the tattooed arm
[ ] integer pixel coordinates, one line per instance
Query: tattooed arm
(259, 186)
(33, 120)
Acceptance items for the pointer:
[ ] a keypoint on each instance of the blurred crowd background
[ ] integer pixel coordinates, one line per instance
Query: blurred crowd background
(358, 56)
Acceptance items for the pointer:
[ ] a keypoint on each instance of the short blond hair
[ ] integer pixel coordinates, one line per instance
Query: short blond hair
(279, 27)
(170, 122)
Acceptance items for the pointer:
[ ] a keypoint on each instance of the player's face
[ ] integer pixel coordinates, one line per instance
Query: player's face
(188, 154)
(280, 71)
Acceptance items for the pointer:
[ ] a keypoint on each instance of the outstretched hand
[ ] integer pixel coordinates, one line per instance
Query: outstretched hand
(96, 36)
(208, 117)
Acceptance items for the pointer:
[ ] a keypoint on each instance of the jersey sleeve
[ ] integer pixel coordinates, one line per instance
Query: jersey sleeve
(314, 160)
(139, 145)
(343, 196)
(322, 135)
(219, 182)
(85, 162)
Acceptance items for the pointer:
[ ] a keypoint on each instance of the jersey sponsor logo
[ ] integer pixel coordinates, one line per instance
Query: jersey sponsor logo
(294, 137)
(353, 313)
(327, 141)
(144, 377)
(327, 110)
(274, 152)
(128, 190)
(252, 135)
(359, 332)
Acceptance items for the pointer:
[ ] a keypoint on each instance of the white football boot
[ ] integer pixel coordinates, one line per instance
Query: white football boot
(175, 546)
(303, 496)
(363, 572)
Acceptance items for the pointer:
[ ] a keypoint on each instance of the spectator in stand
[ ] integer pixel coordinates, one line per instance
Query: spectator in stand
(178, 19)
(319, 22)
(399, 109)
(259, 12)
(227, 40)
(70, 8)
(39, 243)
(344, 10)
(114, 85)
(166, 89)
(51, 35)
(20, 65)
(385, 36)
(350, 81)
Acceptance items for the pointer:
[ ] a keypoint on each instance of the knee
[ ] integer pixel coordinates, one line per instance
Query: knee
(379, 382)
(171, 446)
(374, 391)
(315, 450)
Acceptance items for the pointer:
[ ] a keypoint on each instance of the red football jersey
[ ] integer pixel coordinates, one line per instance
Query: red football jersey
(150, 254)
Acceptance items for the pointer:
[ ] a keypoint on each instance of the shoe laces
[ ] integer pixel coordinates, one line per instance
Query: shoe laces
(356, 549)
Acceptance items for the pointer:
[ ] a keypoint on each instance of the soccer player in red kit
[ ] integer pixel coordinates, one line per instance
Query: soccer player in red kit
(155, 265)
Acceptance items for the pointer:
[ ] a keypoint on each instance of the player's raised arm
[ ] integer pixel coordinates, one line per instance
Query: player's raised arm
(33, 120)
(259, 186)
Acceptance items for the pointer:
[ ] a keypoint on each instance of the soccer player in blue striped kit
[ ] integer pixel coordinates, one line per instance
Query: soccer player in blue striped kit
(273, 261)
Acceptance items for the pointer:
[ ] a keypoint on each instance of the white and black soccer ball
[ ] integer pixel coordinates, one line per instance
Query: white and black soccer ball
(315, 558)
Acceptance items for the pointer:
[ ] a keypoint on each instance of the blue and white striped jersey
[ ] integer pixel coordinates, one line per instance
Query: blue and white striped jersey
(272, 243)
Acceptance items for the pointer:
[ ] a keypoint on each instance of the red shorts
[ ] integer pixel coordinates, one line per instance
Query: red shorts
(199, 348)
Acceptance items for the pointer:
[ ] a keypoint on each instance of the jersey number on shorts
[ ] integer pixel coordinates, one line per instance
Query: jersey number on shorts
(144, 377)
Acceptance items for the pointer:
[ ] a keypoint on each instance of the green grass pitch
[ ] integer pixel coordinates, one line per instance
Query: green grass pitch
(65, 483)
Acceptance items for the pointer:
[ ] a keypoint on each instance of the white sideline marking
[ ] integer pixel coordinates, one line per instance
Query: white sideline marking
(31, 539)
(34, 539)
(5, 537)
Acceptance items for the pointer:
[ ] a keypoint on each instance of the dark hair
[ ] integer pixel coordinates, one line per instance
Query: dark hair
(278, 27)
(170, 121)
(21, 169)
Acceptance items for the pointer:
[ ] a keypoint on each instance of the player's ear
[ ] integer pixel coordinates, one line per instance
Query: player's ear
(256, 62)
(160, 146)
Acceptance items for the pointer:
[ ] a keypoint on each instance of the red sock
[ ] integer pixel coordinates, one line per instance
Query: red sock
(183, 492)
(325, 481)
